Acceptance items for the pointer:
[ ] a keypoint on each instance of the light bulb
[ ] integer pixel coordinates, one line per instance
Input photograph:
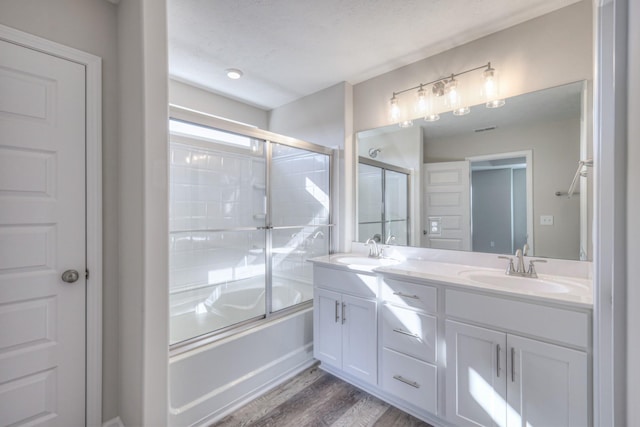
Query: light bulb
(394, 109)
(452, 92)
(422, 102)
(490, 89)
(234, 73)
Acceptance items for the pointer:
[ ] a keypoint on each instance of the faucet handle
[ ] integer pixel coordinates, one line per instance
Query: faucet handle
(510, 269)
(532, 269)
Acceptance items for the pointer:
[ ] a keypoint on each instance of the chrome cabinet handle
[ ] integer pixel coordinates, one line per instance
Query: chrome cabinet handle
(410, 334)
(400, 294)
(406, 381)
(498, 358)
(344, 308)
(70, 276)
(513, 364)
(337, 314)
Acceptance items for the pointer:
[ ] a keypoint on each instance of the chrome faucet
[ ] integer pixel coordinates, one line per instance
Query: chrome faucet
(374, 251)
(519, 269)
(520, 262)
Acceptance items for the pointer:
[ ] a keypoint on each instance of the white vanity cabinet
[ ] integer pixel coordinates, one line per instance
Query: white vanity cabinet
(497, 377)
(408, 335)
(345, 317)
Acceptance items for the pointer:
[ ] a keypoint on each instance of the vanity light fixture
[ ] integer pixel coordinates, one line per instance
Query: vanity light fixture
(234, 73)
(447, 88)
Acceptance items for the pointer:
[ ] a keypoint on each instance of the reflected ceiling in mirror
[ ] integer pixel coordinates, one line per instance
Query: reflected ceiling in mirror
(546, 127)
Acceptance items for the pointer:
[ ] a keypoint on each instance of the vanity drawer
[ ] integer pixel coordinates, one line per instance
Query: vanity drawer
(348, 282)
(566, 326)
(408, 294)
(409, 332)
(410, 379)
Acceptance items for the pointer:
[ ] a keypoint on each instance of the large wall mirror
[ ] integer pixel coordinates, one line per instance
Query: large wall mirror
(490, 181)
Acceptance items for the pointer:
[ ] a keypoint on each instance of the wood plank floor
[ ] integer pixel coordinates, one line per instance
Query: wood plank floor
(316, 398)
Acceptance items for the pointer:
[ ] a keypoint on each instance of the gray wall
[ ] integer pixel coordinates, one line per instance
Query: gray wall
(90, 26)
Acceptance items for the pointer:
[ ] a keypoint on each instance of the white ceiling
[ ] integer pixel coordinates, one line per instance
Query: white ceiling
(288, 49)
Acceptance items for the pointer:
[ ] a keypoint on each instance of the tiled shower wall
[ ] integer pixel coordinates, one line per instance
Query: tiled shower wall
(213, 190)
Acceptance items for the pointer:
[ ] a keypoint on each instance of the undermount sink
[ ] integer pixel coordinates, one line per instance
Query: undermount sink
(365, 261)
(543, 285)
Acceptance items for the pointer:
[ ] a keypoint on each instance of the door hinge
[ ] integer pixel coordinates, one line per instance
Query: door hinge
(86, 274)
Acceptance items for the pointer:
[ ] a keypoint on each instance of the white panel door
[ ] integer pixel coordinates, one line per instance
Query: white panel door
(42, 234)
(447, 206)
(547, 385)
(476, 375)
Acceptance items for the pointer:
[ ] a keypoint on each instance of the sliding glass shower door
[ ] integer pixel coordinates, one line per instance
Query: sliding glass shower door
(383, 203)
(245, 215)
(300, 211)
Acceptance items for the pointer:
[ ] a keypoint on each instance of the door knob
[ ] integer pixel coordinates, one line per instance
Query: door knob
(70, 276)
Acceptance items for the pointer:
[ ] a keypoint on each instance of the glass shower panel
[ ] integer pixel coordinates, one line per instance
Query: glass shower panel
(369, 201)
(300, 189)
(217, 219)
(217, 280)
(396, 207)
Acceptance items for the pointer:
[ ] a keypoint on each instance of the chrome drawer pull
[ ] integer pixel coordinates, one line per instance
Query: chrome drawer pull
(406, 381)
(400, 294)
(337, 315)
(400, 331)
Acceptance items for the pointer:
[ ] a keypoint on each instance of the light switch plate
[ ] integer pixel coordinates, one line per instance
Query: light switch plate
(546, 219)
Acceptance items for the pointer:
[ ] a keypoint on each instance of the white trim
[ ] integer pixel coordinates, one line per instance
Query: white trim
(609, 136)
(93, 66)
(529, 177)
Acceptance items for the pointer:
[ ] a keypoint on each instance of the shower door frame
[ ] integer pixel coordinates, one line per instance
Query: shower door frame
(197, 118)
(386, 167)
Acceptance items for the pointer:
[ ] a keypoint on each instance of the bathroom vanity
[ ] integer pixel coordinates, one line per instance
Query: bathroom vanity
(457, 344)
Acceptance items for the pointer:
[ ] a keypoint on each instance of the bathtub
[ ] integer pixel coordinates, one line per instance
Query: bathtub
(207, 383)
(202, 310)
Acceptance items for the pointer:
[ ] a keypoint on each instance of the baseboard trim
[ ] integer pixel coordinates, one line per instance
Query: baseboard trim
(114, 422)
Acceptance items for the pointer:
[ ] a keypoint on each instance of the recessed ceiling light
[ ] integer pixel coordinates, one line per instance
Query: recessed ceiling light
(234, 73)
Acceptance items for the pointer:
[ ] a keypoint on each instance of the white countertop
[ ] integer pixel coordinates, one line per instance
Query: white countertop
(573, 291)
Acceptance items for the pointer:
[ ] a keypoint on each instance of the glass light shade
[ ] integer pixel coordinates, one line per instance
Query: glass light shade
(422, 103)
(490, 88)
(406, 123)
(496, 103)
(461, 111)
(452, 94)
(394, 109)
(431, 117)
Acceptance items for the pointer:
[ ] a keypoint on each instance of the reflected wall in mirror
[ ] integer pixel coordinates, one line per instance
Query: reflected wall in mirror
(489, 181)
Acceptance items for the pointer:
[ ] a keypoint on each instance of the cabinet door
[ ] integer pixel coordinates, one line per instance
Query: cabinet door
(476, 375)
(547, 384)
(359, 338)
(327, 327)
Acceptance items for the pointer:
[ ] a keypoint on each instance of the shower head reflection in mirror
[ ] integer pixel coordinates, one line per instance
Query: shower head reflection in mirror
(551, 124)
